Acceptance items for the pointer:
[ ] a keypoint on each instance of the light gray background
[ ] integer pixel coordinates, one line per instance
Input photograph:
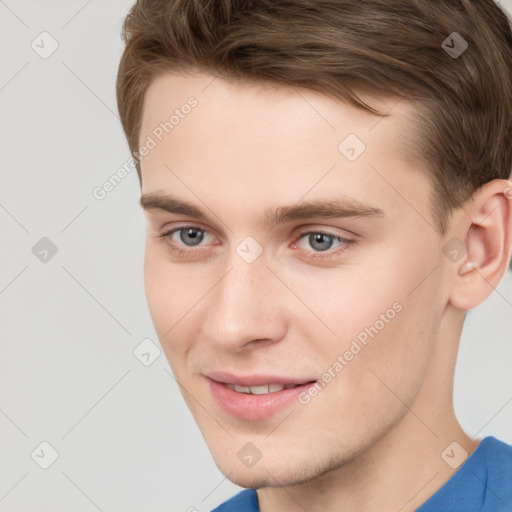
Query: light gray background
(125, 439)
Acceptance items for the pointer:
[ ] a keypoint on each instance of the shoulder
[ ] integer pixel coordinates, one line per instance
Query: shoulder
(498, 458)
(244, 501)
(497, 448)
(482, 484)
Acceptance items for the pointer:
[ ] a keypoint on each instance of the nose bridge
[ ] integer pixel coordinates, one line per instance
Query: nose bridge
(246, 305)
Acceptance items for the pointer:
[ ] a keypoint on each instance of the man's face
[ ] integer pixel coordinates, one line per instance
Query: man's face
(350, 302)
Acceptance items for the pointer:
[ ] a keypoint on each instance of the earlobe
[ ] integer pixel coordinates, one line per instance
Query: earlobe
(486, 232)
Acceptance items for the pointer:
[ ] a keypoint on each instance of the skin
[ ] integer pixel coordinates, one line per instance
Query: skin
(372, 438)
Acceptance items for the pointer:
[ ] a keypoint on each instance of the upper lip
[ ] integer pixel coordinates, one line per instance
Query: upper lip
(255, 379)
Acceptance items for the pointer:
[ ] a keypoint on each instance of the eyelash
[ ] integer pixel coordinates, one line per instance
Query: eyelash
(322, 255)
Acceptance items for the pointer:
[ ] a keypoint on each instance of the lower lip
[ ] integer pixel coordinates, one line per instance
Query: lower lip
(254, 407)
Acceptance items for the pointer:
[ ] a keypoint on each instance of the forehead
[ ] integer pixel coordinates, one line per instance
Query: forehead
(243, 141)
(281, 109)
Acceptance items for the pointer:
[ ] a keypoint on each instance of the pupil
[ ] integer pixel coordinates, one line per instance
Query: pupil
(317, 238)
(194, 234)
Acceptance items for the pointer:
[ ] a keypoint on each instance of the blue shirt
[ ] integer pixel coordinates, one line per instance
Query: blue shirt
(482, 484)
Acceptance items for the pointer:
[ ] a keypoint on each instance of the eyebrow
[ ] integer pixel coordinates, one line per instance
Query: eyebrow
(321, 208)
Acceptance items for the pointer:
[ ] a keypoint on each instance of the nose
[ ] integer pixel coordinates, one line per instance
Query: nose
(247, 308)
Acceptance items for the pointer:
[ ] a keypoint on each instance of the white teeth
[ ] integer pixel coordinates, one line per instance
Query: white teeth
(259, 390)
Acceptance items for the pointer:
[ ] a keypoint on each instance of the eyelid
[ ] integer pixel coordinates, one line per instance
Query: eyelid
(326, 231)
(310, 228)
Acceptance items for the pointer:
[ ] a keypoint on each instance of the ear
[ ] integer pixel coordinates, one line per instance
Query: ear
(483, 235)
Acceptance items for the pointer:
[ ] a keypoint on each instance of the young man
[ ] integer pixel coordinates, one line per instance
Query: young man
(326, 187)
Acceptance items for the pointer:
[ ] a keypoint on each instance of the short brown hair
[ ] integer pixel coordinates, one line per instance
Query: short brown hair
(340, 47)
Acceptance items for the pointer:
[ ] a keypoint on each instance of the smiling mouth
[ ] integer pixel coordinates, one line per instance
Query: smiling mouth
(255, 397)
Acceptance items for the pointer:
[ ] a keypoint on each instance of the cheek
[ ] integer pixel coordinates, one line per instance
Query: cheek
(156, 282)
(353, 304)
(165, 294)
(173, 294)
(379, 326)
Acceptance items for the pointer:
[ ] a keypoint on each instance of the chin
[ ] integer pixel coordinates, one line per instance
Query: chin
(277, 472)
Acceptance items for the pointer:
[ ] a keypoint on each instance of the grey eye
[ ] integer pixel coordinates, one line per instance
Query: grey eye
(320, 241)
(192, 235)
